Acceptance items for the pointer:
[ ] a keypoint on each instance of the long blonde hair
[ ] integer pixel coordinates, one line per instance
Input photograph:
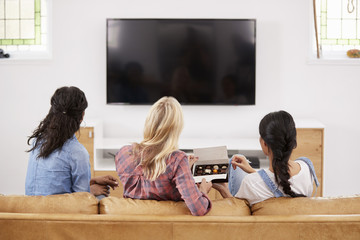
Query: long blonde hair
(162, 130)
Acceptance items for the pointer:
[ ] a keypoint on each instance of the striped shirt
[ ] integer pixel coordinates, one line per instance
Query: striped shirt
(176, 183)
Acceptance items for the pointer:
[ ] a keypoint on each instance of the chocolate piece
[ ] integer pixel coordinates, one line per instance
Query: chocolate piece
(210, 169)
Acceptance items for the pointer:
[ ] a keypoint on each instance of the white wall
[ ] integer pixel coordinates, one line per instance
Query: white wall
(285, 80)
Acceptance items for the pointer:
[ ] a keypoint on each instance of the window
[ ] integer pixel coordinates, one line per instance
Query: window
(23, 28)
(338, 24)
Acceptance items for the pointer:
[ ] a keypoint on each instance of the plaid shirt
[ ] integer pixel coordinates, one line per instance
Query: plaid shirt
(176, 183)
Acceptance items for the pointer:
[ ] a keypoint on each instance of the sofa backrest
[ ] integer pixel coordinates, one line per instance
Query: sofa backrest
(80, 202)
(306, 206)
(128, 206)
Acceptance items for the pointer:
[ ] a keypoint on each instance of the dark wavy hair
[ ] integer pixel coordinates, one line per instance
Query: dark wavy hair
(278, 131)
(63, 120)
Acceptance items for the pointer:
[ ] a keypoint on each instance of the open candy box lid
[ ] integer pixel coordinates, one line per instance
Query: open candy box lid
(212, 165)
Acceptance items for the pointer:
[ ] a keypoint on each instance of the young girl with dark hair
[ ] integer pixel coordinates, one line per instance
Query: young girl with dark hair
(58, 163)
(283, 178)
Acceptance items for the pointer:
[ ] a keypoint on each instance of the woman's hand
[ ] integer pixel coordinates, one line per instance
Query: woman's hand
(107, 180)
(241, 162)
(204, 186)
(223, 189)
(220, 186)
(192, 160)
(97, 190)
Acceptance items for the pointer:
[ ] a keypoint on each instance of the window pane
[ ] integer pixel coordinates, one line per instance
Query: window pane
(12, 9)
(27, 29)
(12, 29)
(345, 13)
(333, 9)
(333, 29)
(2, 29)
(27, 9)
(2, 9)
(348, 29)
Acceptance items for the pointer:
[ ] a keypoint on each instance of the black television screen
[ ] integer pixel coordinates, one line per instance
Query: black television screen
(197, 61)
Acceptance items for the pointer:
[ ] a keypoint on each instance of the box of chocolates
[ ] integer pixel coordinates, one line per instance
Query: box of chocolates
(212, 164)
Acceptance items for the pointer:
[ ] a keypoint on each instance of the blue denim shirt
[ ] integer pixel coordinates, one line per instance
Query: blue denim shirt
(65, 170)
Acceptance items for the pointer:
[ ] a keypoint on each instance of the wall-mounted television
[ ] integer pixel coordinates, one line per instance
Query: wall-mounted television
(197, 61)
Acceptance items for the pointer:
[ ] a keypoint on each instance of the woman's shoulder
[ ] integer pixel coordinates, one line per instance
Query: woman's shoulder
(302, 163)
(176, 158)
(124, 154)
(126, 149)
(304, 170)
(72, 145)
(76, 149)
(177, 155)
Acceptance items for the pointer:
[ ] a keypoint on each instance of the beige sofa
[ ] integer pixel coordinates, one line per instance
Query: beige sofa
(81, 216)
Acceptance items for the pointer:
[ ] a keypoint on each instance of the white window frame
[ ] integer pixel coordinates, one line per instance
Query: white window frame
(326, 57)
(17, 56)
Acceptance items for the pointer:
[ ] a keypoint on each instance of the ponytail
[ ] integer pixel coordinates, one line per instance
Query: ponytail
(278, 131)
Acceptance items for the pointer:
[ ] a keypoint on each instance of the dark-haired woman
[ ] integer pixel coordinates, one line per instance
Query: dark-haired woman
(58, 163)
(283, 178)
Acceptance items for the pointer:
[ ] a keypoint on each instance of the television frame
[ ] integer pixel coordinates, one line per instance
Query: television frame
(111, 102)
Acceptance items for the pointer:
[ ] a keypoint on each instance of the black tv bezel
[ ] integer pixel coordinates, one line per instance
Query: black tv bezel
(191, 19)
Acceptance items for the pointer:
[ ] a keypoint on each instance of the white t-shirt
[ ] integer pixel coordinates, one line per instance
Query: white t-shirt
(254, 189)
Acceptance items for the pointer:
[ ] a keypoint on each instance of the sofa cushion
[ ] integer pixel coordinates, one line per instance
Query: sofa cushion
(125, 206)
(305, 206)
(80, 202)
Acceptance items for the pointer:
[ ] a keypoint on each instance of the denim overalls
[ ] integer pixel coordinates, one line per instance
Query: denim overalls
(275, 190)
(237, 175)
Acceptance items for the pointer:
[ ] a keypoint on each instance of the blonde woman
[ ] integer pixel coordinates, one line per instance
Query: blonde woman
(155, 168)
